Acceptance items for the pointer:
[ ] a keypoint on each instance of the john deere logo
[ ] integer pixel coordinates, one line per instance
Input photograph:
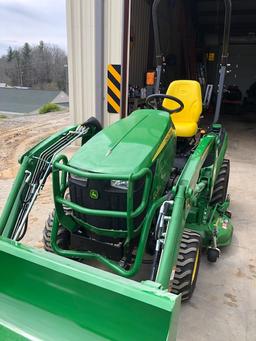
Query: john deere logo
(94, 194)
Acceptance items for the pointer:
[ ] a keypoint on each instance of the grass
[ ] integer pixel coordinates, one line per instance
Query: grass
(49, 107)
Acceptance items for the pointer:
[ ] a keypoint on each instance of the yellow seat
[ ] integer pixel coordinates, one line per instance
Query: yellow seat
(189, 92)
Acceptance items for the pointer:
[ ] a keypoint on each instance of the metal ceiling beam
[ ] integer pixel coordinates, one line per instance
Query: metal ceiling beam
(242, 27)
(236, 19)
(213, 5)
(244, 12)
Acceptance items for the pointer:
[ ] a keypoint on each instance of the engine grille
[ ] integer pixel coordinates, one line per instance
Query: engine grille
(106, 198)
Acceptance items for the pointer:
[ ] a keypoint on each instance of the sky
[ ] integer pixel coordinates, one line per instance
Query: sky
(31, 21)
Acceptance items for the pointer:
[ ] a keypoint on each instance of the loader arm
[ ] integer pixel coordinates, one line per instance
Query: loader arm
(35, 167)
(191, 183)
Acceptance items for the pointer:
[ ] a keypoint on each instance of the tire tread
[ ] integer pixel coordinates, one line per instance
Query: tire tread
(182, 282)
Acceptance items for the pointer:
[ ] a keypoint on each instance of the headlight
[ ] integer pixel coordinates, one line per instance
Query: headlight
(79, 178)
(120, 184)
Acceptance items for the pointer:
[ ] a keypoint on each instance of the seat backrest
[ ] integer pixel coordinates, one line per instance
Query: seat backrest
(189, 92)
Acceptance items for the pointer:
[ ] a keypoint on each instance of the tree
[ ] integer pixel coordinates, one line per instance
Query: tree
(26, 65)
(9, 54)
(41, 45)
(18, 68)
(12, 68)
(26, 52)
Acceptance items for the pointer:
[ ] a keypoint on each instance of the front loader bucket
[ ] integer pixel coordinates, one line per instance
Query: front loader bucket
(47, 297)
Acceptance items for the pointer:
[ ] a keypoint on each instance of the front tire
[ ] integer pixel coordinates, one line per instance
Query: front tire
(187, 266)
(63, 235)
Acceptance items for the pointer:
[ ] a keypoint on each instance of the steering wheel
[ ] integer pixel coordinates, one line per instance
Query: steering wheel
(157, 105)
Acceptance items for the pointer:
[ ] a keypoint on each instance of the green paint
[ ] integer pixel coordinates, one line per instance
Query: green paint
(126, 146)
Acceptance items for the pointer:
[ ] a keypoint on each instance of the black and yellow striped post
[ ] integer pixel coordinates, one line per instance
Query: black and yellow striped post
(114, 88)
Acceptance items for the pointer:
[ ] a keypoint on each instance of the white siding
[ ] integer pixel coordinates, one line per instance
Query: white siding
(83, 61)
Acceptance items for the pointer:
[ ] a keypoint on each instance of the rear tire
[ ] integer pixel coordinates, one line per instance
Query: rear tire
(92, 122)
(63, 235)
(187, 266)
(220, 189)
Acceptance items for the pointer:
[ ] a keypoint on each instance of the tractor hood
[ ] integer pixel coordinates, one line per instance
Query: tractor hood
(126, 146)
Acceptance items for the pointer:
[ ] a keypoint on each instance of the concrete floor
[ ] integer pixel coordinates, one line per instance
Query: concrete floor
(223, 306)
(224, 303)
